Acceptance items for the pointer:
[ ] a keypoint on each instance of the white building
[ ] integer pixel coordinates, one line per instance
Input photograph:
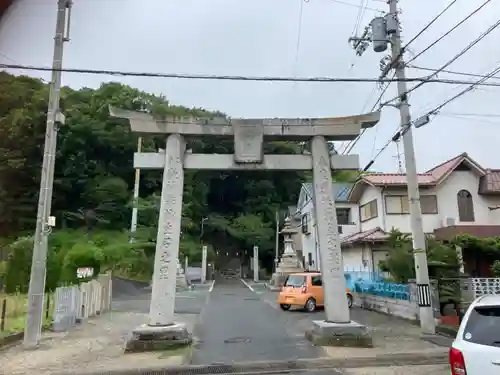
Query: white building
(347, 217)
(457, 197)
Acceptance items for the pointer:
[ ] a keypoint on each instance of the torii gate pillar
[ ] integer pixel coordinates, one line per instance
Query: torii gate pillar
(249, 134)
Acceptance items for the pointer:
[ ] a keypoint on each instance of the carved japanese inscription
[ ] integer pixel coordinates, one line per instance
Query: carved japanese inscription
(333, 260)
(167, 242)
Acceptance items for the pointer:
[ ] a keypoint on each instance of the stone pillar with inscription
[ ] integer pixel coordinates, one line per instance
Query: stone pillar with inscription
(161, 330)
(255, 260)
(337, 329)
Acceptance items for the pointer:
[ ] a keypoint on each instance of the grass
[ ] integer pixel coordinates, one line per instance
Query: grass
(15, 312)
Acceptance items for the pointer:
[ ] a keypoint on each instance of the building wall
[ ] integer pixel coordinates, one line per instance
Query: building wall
(447, 205)
(370, 194)
(310, 240)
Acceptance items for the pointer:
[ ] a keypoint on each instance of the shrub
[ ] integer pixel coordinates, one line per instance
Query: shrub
(79, 256)
(18, 268)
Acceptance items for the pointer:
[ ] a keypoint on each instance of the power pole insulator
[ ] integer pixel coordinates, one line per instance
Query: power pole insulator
(379, 34)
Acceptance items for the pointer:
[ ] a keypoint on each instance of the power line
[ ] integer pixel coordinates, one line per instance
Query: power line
(391, 65)
(353, 143)
(451, 72)
(495, 115)
(433, 112)
(426, 27)
(241, 78)
(449, 31)
(456, 57)
(461, 93)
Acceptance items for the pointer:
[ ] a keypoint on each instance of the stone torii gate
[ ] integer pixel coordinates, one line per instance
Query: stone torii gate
(248, 135)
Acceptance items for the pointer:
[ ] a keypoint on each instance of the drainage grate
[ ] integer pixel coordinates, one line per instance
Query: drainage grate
(276, 367)
(237, 340)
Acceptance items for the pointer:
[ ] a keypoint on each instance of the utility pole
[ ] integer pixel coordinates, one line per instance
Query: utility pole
(44, 222)
(387, 30)
(276, 245)
(133, 223)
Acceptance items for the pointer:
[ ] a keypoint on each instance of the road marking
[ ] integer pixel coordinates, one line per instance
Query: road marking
(211, 286)
(247, 285)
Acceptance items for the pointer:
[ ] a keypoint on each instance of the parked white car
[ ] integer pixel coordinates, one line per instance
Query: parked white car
(476, 349)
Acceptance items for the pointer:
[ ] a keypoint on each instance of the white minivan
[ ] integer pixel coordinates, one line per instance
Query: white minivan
(476, 349)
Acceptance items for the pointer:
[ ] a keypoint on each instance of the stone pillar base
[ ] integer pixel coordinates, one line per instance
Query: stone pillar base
(350, 334)
(151, 338)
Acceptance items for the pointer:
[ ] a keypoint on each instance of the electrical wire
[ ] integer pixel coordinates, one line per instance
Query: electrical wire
(434, 111)
(351, 145)
(242, 78)
(426, 27)
(456, 57)
(451, 72)
(449, 31)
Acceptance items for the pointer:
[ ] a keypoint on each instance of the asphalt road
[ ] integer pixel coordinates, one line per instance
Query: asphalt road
(238, 326)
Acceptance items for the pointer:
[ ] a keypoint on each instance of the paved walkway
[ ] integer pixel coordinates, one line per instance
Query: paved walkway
(237, 326)
(390, 336)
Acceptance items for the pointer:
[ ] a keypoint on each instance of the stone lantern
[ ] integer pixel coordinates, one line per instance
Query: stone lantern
(289, 262)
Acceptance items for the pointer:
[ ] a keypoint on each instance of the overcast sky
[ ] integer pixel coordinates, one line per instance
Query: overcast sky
(259, 37)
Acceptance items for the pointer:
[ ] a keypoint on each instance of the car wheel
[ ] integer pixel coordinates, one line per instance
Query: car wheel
(285, 306)
(349, 300)
(310, 305)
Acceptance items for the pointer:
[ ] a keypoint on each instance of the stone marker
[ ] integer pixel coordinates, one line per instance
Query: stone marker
(248, 134)
(204, 251)
(256, 264)
(337, 329)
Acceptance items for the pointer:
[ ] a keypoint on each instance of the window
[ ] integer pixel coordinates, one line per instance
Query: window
(483, 326)
(343, 216)
(296, 281)
(368, 210)
(465, 206)
(305, 224)
(316, 281)
(309, 259)
(428, 204)
(399, 204)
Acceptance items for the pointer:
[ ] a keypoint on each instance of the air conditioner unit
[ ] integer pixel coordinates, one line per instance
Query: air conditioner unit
(448, 222)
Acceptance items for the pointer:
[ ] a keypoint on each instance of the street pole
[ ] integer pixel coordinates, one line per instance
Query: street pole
(133, 223)
(34, 318)
(427, 323)
(276, 245)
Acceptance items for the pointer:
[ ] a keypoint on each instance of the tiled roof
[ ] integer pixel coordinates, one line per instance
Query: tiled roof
(370, 235)
(490, 182)
(340, 190)
(431, 177)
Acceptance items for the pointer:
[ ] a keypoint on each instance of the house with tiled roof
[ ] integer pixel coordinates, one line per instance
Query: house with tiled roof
(458, 196)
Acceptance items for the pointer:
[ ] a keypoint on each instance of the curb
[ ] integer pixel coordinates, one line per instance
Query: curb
(11, 340)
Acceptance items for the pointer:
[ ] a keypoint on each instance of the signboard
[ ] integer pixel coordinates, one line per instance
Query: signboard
(84, 272)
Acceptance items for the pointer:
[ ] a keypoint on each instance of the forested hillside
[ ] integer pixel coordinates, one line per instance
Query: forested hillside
(94, 172)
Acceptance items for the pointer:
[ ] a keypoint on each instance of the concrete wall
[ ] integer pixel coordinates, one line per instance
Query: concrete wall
(400, 308)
